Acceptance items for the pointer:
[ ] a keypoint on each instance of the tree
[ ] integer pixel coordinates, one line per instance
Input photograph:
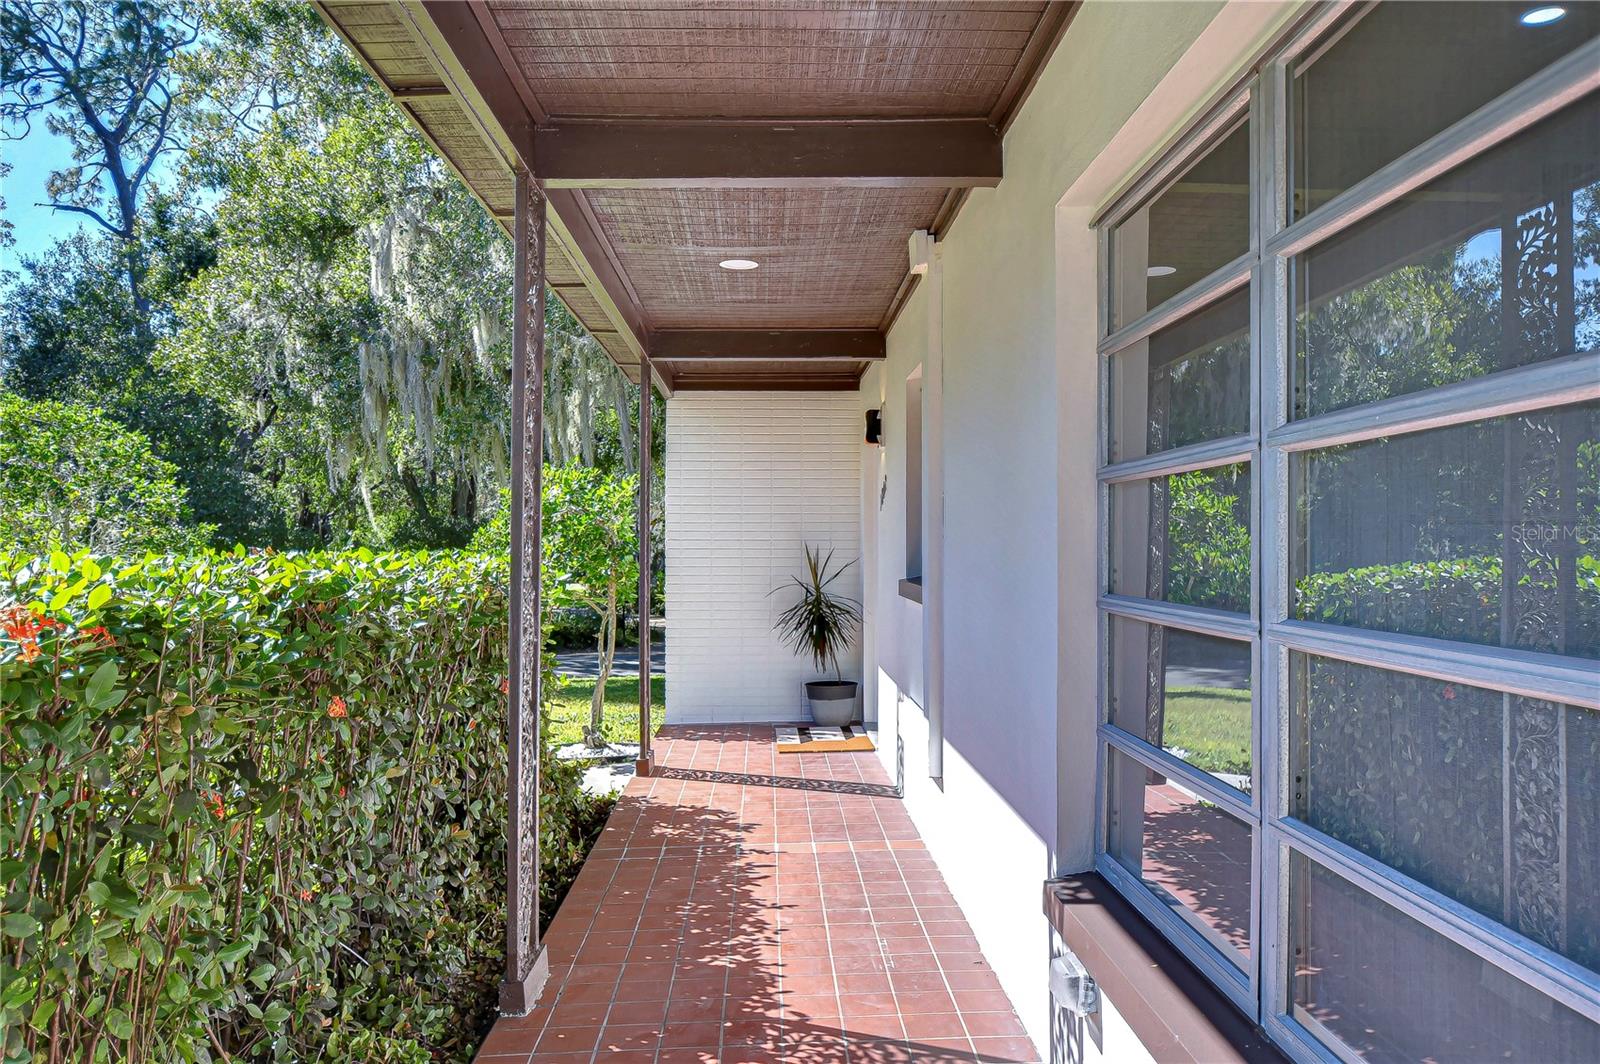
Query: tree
(70, 332)
(311, 316)
(100, 75)
(72, 478)
(590, 554)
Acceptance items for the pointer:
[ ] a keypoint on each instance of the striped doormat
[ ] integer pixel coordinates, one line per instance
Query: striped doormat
(812, 738)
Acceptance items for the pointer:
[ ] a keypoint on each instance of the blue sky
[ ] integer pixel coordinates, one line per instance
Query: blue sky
(32, 159)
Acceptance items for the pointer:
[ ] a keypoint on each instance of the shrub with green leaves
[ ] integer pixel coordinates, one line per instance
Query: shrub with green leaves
(253, 807)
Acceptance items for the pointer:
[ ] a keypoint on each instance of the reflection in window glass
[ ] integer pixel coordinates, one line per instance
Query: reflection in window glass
(1416, 773)
(1186, 693)
(1184, 538)
(1187, 383)
(1487, 533)
(1444, 60)
(1198, 224)
(1193, 855)
(1393, 991)
(1492, 266)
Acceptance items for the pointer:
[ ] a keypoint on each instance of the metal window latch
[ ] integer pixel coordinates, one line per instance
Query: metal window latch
(1072, 987)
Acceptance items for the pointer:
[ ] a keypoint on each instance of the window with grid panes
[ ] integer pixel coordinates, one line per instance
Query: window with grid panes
(1350, 491)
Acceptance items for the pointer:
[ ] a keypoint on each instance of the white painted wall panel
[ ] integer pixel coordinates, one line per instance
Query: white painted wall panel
(751, 479)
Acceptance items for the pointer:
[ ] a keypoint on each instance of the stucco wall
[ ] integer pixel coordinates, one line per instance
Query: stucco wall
(1016, 801)
(751, 479)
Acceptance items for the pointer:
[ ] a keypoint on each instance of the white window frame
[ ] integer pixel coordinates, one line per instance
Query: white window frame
(1262, 992)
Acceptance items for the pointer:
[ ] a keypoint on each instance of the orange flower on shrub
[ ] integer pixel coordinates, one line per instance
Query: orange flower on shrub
(505, 685)
(336, 707)
(214, 801)
(305, 895)
(99, 634)
(21, 626)
(30, 650)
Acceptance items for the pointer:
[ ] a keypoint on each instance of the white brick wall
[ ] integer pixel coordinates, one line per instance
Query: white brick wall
(752, 477)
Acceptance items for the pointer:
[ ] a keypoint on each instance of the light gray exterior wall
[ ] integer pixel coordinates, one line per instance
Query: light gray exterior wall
(1018, 429)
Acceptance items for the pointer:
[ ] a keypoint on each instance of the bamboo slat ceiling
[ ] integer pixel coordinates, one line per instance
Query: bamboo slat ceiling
(739, 59)
(812, 136)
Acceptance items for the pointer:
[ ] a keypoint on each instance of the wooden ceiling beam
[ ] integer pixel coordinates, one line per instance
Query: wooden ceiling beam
(722, 382)
(495, 92)
(419, 92)
(766, 345)
(877, 153)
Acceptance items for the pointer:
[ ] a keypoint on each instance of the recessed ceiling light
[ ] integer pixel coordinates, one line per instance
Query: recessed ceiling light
(1543, 16)
(738, 264)
(1161, 271)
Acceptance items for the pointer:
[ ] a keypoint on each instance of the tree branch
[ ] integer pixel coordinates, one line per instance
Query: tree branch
(75, 209)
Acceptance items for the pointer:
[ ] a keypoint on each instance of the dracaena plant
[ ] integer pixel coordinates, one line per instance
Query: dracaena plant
(823, 623)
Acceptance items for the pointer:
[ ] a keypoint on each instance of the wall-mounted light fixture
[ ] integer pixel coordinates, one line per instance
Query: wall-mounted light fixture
(875, 428)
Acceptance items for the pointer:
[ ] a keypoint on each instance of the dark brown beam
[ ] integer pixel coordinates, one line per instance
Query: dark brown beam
(472, 48)
(419, 92)
(955, 153)
(720, 382)
(1047, 33)
(785, 345)
(466, 29)
(596, 250)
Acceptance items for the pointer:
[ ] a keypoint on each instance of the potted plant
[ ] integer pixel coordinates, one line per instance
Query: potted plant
(823, 624)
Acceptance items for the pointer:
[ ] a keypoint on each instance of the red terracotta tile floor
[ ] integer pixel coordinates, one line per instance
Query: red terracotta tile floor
(747, 907)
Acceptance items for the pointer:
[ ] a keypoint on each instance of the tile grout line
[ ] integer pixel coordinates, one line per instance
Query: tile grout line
(938, 961)
(888, 962)
(677, 954)
(722, 1025)
(833, 962)
(633, 938)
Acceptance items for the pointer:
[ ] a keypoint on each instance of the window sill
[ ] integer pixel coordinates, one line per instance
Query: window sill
(1171, 1008)
(911, 589)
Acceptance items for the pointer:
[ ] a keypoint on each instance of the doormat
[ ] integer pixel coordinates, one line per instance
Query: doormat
(814, 739)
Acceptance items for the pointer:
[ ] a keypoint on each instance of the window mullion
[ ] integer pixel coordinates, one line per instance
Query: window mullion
(1539, 386)
(1197, 780)
(1209, 289)
(1202, 620)
(1227, 451)
(1269, 541)
(1530, 674)
(1561, 83)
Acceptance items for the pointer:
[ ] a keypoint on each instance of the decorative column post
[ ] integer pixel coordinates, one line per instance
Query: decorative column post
(646, 760)
(527, 967)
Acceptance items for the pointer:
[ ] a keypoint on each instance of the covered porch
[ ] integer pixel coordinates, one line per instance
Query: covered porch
(746, 905)
(732, 198)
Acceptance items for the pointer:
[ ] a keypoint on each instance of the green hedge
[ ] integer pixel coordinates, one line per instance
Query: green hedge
(254, 807)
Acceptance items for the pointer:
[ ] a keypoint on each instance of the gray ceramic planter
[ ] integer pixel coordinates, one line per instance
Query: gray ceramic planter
(832, 702)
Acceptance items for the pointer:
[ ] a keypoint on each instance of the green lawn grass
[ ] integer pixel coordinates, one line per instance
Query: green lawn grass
(569, 708)
(1212, 724)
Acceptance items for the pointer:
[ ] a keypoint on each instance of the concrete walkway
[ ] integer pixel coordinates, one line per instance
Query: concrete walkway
(746, 907)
